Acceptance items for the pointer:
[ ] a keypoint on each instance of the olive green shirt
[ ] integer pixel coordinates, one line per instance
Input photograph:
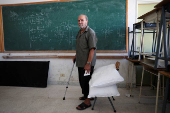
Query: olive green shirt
(84, 43)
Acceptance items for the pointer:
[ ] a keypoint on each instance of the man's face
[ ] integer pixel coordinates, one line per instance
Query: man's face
(82, 22)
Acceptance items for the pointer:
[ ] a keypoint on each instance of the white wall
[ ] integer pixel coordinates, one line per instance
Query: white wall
(64, 66)
(148, 1)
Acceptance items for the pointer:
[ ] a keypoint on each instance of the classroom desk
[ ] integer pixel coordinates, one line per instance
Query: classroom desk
(141, 25)
(165, 6)
(150, 68)
(158, 16)
(134, 63)
(165, 73)
(152, 16)
(160, 4)
(165, 18)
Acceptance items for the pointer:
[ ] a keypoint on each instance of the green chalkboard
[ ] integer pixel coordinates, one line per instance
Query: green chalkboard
(54, 26)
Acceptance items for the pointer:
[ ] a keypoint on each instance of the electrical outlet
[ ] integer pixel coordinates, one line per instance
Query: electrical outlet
(62, 75)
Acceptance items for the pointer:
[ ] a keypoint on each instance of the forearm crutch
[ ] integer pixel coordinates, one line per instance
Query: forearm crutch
(69, 79)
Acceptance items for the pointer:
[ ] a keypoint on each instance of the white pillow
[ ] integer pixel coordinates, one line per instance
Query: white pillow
(103, 91)
(105, 76)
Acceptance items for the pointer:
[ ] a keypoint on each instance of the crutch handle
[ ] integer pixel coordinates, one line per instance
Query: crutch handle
(74, 60)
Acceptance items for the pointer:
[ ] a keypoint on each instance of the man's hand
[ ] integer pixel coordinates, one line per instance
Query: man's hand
(74, 59)
(87, 67)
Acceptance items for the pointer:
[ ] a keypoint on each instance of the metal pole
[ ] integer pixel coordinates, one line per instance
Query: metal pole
(158, 42)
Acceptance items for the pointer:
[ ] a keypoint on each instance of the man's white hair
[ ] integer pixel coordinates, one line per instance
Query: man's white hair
(85, 16)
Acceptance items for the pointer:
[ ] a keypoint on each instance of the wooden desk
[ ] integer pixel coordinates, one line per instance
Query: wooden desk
(160, 16)
(152, 15)
(142, 26)
(150, 68)
(134, 60)
(165, 73)
(160, 4)
(163, 5)
(167, 89)
(165, 17)
(134, 63)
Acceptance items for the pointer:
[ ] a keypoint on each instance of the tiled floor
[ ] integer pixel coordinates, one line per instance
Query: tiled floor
(50, 100)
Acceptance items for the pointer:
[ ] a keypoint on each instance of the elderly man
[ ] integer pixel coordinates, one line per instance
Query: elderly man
(85, 57)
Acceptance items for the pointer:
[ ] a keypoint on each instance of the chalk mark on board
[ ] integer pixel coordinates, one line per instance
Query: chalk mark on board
(106, 31)
(13, 14)
(30, 39)
(120, 33)
(48, 23)
(64, 32)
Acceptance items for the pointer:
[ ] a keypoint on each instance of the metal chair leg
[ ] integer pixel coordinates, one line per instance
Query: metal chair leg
(163, 89)
(113, 98)
(109, 100)
(131, 78)
(157, 94)
(151, 80)
(127, 84)
(141, 84)
(112, 104)
(94, 103)
(166, 95)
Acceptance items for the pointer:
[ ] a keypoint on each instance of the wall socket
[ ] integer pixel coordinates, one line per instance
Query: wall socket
(62, 75)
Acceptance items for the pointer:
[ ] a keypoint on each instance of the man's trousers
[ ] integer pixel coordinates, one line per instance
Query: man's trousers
(84, 80)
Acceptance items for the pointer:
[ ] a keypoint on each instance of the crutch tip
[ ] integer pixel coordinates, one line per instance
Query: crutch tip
(63, 98)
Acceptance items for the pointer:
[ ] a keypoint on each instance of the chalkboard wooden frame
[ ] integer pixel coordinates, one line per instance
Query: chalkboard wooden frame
(2, 38)
(1, 32)
(59, 57)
